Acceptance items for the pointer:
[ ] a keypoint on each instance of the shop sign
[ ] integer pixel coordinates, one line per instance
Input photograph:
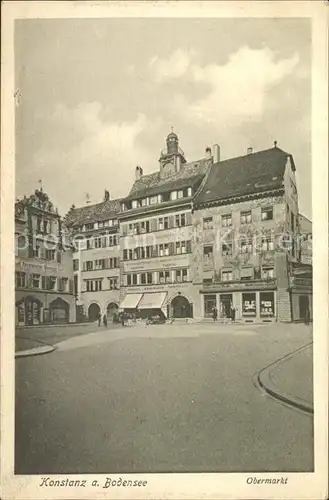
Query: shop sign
(157, 263)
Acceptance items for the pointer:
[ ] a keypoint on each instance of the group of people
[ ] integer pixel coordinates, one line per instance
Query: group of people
(232, 314)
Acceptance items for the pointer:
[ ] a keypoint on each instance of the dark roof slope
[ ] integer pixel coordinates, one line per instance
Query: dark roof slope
(244, 175)
(93, 213)
(152, 184)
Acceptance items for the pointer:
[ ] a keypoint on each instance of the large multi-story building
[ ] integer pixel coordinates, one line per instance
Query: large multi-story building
(246, 229)
(156, 235)
(43, 264)
(96, 260)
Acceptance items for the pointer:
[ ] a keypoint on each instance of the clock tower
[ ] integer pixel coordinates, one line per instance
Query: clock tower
(172, 158)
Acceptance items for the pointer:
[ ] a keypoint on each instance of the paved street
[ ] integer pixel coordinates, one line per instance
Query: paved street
(160, 399)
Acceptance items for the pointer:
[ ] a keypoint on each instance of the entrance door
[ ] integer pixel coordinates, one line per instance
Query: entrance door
(225, 301)
(93, 312)
(304, 304)
(181, 307)
(32, 312)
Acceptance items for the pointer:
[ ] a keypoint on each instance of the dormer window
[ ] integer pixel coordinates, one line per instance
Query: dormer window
(189, 191)
(123, 207)
(135, 204)
(173, 195)
(144, 202)
(153, 200)
(180, 194)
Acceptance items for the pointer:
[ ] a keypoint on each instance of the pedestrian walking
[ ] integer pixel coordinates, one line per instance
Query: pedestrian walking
(99, 319)
(214, 313)
(307, 316)
(105, 320)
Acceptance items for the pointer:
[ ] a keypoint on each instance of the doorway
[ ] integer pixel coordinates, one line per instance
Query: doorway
(181, 307)
(93, 312)
(304, 305)
(225, 301)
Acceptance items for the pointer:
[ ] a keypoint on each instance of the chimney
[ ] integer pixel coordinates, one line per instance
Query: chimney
(106, 195)
(138, 173)
(208, 153)
(249, 151)
(216, 153)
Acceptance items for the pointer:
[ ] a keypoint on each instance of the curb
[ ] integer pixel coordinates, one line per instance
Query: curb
(264, 380)
(35, 351)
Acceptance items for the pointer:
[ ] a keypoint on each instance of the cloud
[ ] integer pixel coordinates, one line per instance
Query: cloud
(93, 151)
(231, 93)
(174, 67)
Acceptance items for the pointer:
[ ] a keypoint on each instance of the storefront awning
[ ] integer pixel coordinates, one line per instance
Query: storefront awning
(152, 300)
(131, 301)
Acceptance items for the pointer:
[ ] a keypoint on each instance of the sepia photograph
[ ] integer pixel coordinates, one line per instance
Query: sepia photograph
(163, 305)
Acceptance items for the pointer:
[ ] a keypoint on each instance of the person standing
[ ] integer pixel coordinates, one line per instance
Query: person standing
(99, 319)
(105, 320)
(307, 316)
(233, 314)
(123, 319)
(214, 313)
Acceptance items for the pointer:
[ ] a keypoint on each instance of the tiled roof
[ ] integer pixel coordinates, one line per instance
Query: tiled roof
(152, 184)
(93, 213)
(244, 175)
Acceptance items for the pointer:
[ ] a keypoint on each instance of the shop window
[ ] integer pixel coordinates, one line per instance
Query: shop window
(267, 304)
(249, 304)
(207, 223)
(209, 304)
(245, 217)
(227, 220)
(20, 279)
(267, 213)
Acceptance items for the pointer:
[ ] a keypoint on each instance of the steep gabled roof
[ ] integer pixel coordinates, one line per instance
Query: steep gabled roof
(244, 175)
(153, 184)
(93, 213)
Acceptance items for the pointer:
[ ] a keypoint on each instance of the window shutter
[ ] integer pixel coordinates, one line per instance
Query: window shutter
(171, 221)
(188, 218)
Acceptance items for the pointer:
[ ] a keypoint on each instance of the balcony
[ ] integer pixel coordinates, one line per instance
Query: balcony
(234, 285)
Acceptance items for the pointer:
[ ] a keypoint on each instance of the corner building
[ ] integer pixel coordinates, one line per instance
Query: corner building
(246, 238)
(156, 236)
(43, 264)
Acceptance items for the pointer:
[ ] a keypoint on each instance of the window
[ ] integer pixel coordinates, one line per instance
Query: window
(267, 273)
(209, 304)
(227, 275)
(207, 252)
(267, 213)
(89, 243)
(266, 304)
(89, 265)
(97, 242)
(180, 220)
(100, 264)
(130, 254)
(165, 222)
(180, 194)
(153, 200)
(134, 204)
(143, 278)
(20, 279)
(113, 240)
(267, 243)
(104, 241)
(75, 264)
(292, 222)
(50, 254)
(246, 245)
(36, 280)
(36, 250)
(51, 282)
(160, 223)
(245, 217)
(227, 249)
(90, 226)
(249, 304)
(207, 281)
(164, 277)
(173, 195)
(184, 274)
(113, 262)
(94, 285)
(247, 273)
(144, 202)
(134, 279)
(125, 254)
(145, 227)
(161, 250)
(149, 278)
(113, 283)
(100, 224)
(39, 224)
(128, 279)
(207, 223)
(227, 220)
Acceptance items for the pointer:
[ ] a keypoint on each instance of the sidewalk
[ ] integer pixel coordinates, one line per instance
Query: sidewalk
(290, 379)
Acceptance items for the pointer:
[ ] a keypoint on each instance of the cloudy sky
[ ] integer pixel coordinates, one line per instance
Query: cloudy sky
(99, 96)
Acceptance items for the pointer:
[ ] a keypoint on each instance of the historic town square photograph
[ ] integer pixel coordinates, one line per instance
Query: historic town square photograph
(163, 246)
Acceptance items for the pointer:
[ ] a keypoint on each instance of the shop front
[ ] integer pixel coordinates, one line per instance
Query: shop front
(145, 305)
(250, 305)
